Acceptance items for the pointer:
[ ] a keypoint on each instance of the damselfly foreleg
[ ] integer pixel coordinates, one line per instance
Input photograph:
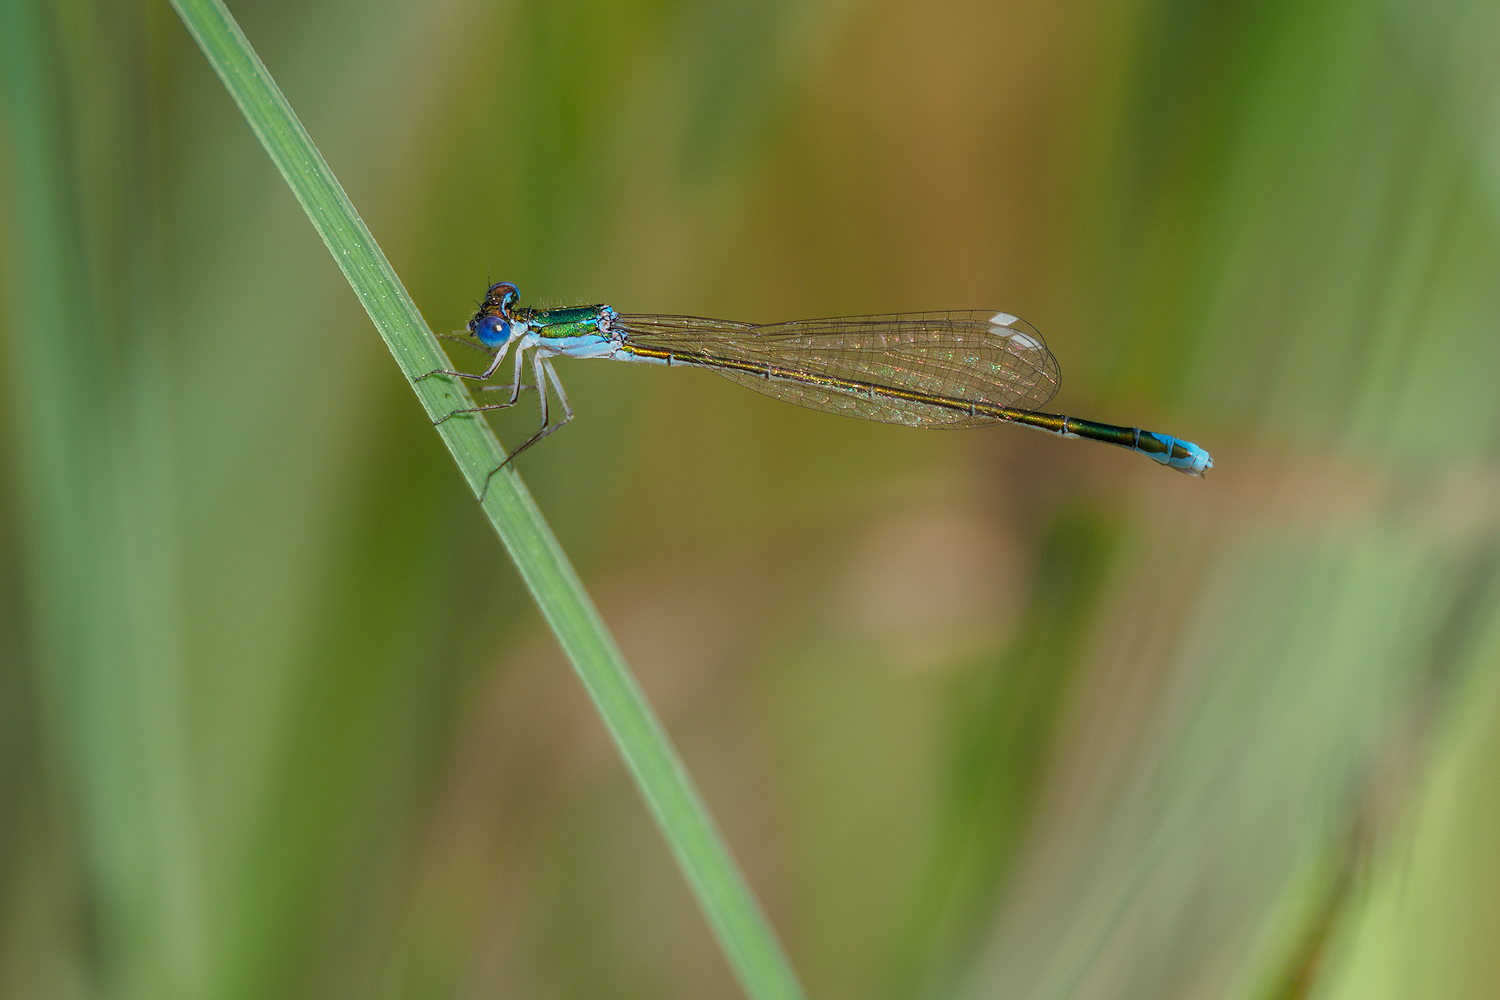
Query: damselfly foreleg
(468, 342)
(485, 377)
(515, 390)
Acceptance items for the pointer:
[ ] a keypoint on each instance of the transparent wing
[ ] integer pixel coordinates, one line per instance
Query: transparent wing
(917, 369)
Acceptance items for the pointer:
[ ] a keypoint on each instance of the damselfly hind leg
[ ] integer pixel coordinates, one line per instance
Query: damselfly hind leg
(544, 373)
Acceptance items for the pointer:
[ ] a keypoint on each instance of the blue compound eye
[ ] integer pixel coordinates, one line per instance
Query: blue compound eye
(492, 331)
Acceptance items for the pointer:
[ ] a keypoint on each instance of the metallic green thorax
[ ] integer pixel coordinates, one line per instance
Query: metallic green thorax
(558, 324)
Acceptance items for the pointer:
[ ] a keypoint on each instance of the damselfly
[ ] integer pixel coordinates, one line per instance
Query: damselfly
(933, 369)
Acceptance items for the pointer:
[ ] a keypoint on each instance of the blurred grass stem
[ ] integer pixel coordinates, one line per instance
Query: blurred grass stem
(741, 927)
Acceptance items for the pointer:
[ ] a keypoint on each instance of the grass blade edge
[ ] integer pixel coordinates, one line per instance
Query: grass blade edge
(741, 927)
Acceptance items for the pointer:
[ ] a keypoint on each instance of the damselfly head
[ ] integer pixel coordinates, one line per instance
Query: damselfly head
(491, 322)
(499, 301)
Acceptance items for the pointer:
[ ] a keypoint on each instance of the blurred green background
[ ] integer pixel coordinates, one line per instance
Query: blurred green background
(983, 714)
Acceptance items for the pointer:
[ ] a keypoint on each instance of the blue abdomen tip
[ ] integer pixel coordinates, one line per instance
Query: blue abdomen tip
(1195, 462)
(1184, 456)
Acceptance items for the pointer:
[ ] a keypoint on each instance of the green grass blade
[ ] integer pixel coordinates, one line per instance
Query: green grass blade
(741, 927)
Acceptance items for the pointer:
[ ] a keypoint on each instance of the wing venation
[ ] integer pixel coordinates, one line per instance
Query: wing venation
(928, 361)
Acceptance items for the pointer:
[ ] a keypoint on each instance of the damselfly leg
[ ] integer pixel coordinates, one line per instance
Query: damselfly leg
(515, 387)
(468, 342)
(482, 377)
(543, 373)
